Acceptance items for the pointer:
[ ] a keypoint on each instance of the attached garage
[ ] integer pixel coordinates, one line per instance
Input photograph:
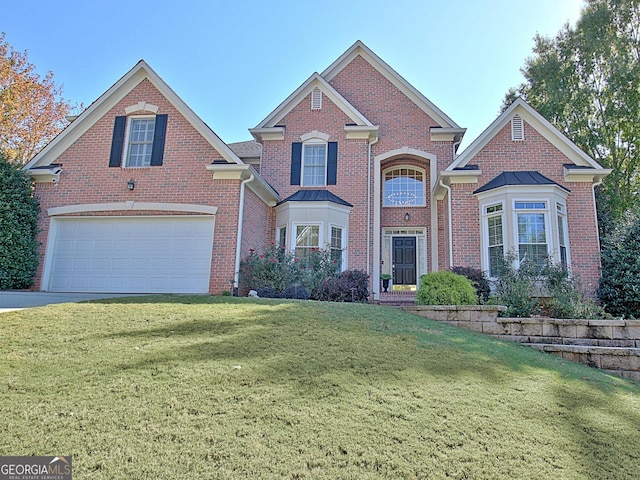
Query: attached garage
(143, 254)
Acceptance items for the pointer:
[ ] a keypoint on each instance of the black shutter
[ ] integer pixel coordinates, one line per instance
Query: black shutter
(117, 142)
(296, 161)
(332, 163)
(159, 132)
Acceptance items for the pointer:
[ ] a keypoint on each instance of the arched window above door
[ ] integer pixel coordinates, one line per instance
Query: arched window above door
(403, 186)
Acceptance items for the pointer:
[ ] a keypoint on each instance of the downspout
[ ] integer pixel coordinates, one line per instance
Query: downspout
(593, 191)
(448, 189)
(369, 205)
(450, 215)
(236, 275)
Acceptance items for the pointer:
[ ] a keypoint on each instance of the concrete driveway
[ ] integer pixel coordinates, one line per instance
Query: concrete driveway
(16, 300)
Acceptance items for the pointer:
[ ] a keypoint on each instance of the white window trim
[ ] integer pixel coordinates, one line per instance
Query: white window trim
(294, 229)
(314, 142)
(127, 140)
(343, 241)
(508, 196)
(424, 186)
(548, 229)
(485, 233)
(278, 235)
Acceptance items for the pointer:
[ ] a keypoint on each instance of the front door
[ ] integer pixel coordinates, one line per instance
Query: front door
(404, 261)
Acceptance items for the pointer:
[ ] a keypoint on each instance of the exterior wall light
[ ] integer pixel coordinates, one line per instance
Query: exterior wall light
(407, 217)
(131, 184)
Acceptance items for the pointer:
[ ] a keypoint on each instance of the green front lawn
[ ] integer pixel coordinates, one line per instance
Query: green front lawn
(176, 387)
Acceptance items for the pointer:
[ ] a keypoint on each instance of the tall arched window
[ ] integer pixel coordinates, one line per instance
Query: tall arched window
(403, 186)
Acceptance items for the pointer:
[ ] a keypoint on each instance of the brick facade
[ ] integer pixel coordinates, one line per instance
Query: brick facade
(404, 125)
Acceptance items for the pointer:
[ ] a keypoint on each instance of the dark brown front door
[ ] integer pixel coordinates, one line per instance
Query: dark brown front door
(404, 260)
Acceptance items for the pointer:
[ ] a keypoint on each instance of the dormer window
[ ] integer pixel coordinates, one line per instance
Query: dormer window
(517, 129)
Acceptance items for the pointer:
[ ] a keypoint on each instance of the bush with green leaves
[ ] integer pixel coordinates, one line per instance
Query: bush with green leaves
(549, 290)
(446, 288)
(19, 211)
(619, 289)
(272, 268)
(276, 272)
(516, 288)
(478, 279)
(348, 286)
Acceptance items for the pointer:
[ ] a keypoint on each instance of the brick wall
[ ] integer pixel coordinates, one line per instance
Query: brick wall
(534, 153)
(86, 178)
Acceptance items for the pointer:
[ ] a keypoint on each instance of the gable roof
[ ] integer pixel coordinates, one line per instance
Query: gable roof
(518, 178)
(541, 125)
(109, 99)
(394, 77)
(314, 81)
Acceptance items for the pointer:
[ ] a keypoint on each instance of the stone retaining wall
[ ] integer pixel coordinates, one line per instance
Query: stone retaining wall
(611, 345)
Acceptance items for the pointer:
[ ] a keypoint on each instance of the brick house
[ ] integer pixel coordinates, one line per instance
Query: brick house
(139, 195)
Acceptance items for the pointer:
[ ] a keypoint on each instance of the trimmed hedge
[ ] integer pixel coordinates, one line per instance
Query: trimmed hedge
(19, 211)
(446, 288)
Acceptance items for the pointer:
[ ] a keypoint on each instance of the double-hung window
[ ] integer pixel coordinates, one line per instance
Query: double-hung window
(307, 240)
(532, 232)
(561, 211)
(336, 245)
(495, 233)
(314, 165)
(140, 142)
(314, 161)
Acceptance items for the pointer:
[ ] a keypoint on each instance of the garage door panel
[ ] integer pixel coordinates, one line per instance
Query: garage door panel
(131, 255)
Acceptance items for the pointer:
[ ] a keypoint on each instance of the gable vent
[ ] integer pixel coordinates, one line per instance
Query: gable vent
(316, 99)
(517, 129)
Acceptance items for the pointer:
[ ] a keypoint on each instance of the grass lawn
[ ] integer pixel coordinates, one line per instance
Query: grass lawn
(173, 387)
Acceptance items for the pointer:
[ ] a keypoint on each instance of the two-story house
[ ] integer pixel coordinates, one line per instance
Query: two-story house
(138, 195)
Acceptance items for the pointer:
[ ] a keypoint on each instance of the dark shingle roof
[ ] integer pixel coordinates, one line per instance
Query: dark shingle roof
(518, 178)
(315, 196)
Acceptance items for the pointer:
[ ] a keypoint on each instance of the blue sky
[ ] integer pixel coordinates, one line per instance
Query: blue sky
(233, 62)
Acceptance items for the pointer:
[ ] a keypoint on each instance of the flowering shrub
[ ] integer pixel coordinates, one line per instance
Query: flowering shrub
(272, 271)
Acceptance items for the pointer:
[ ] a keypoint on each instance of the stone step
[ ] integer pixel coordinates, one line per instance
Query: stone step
(622, 361)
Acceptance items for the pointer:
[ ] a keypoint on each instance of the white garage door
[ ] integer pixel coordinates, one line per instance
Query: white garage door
(131, 254)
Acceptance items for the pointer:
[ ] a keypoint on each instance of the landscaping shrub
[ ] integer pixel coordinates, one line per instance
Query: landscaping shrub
(272, 272)
(514, 288)
(349, 286)
(619, 289)
(318, 266)
(296, 292)
(273, 269)
(267, 292)
(446, 288)
(550, 290)
(478, 279)
(18, 228)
